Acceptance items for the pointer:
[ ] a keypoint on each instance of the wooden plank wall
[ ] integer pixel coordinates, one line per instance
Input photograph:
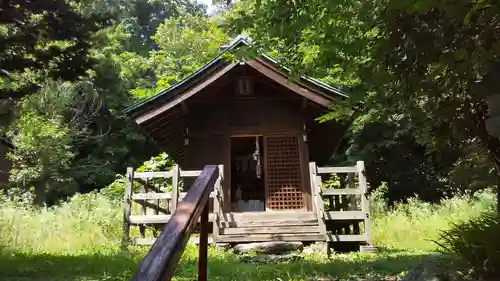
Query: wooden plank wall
(215, 118)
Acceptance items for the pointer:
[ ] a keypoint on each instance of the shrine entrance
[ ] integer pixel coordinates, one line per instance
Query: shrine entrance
(248, 192)
(266, 174)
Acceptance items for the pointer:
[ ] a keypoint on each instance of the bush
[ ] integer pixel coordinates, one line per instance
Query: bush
(477, 242)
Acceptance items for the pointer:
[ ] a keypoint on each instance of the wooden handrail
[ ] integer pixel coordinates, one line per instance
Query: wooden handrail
(160, 261)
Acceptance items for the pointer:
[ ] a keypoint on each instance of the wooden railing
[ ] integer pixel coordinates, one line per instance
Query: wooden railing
(152, 197)
(347, 206)
(160, 262)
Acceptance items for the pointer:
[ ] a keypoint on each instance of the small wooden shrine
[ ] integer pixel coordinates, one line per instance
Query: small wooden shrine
(250, 118)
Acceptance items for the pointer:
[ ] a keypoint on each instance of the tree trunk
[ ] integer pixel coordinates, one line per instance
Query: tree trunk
(497, 168)
(490, 142)
(40, 193)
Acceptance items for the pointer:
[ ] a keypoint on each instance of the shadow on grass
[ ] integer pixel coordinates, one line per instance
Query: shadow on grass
(120, 266)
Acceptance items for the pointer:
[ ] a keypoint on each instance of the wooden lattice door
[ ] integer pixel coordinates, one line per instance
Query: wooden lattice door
(283, 173)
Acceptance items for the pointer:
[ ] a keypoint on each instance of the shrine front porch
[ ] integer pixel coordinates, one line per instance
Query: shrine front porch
(339, 210)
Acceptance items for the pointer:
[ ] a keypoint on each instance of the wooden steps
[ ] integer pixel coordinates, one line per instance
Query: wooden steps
(265, 226)
(269, 226)
(242, 238)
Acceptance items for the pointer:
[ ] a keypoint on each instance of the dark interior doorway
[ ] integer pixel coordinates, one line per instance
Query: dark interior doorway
(248, 191)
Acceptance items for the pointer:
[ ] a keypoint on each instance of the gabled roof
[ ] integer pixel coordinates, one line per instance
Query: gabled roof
(175, 90)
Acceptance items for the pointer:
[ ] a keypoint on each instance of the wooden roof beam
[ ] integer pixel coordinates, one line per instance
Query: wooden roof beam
(181, 98)
(279, 78)
(185, 108)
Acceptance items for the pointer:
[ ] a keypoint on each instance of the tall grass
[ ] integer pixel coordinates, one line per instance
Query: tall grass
(415, 225)
(81, 224)
(80, 240)
(91, 221)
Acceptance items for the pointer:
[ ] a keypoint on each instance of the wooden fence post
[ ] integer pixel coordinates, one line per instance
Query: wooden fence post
(316, 185)
(203, 246)
(217, 210)
(175, 188)
(312, 178)
(127, 205)
(142, 227)
(321, 205)
(365, 207)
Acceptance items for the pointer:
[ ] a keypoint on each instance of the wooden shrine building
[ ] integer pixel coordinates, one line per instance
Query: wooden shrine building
(259, 126)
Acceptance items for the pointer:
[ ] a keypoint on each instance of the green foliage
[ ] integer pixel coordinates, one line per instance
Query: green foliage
(41, 126)
(417, 73)
(162, 162)
(476, 241)
(158, 163)
(85, 138)
(49, 39)
(185, 44)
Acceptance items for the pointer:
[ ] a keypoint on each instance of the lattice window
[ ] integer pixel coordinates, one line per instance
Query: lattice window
(283, 174)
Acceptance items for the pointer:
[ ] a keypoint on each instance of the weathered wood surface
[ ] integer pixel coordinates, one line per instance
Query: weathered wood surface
(175, 187)
(218, 202)
(152, 196)
(316, 188)
(235, 238)
(336, 170)
(345, 238)
(270, 216)
(203, 246)
(145, 175)
(146, 184)
(365, 204)
(304, 223)
(295, 87)
(127, 204)
(343, 218)
(161, 260)
(271, 230)
(341, 191)
(156, 219)
(345, 215)
(142, 228)
(150, 240)
(241, 238)
(187, 174)
(209, 80)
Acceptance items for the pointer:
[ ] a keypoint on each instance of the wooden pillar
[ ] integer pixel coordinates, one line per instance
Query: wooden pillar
(312, 179)
(175, 188)
(203, 247)
(354, 203)
(156, 204)
(142, 227)
(127, 205)
(316, 185)
(365, 207)
(218, 204)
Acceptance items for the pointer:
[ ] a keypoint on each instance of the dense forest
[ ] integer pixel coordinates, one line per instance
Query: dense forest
(418, 73)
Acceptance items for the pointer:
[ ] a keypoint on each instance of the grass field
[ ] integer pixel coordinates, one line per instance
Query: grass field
(80, 240)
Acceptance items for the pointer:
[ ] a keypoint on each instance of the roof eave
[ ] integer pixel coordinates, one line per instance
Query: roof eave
(137, 108)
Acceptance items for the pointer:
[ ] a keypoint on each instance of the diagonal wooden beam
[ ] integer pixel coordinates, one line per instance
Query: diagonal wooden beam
(209, 80)
(283, 80)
